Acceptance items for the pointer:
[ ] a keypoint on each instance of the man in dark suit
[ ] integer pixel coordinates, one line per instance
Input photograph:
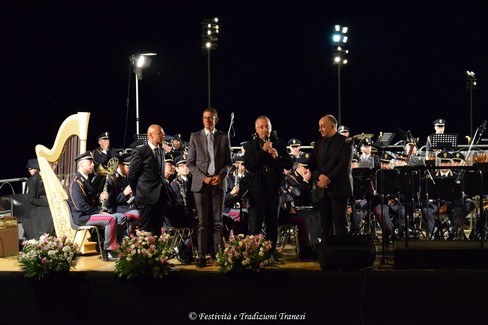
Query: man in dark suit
(208, 165)
(266, 157)
(331, 167)
(145, 179)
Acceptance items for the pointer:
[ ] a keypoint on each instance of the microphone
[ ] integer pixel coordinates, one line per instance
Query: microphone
(266, 138)
(232, 117)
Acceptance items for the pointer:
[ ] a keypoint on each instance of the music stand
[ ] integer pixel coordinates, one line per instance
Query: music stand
(362, 182)
(444, 141)
(384, 140)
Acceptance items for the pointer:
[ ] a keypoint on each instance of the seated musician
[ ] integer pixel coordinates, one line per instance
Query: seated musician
(366, 158)
(302, 208)
(85, 205)
(359, 205)
(120, 197)
(390, 210)
(235, 201)
(184, 213)
(439, 128)
(437, 206)
(104, 152)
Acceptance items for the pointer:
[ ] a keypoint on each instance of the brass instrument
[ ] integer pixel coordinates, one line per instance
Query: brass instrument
(111, 168)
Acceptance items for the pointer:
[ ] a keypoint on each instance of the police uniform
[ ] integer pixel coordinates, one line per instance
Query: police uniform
(85, 209)
(453, 209)
(391, 211)
(307, 216)
(294, 142)
(100, 156)
(118, 201)
(438, 122)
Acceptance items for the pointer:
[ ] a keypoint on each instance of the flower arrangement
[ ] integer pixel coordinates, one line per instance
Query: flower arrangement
(40, 258)
(246, 253)
(144, 254)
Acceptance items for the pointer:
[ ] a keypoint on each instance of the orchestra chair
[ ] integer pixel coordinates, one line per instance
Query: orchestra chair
(288, 233)
(178, 235)
(86, 229)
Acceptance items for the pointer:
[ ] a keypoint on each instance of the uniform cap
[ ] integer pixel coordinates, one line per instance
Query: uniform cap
(294, 142)
(445, 156)
(386, 157)
(458, 156)
(104, 135)
(180, 160)
(303, 160)
(440, 121)
(84, 156)
(342, 129)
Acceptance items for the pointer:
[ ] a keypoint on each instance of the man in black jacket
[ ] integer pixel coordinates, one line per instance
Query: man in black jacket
(146, 180)
(266, 158)
(331, 168)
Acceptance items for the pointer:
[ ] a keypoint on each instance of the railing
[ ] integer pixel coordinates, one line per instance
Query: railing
(7, 183)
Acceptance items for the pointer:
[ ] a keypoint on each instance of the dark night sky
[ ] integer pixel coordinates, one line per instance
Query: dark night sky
(406, 68)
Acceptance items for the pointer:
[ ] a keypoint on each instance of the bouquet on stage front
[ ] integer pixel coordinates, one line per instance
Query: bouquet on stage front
(144, 255)
(49, 254)
(246, 253)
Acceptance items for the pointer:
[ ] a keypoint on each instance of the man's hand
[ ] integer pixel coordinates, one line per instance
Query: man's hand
(127, 190)
(323, 181)
(216, 180)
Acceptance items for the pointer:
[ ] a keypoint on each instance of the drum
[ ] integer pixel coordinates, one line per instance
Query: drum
(481, 157)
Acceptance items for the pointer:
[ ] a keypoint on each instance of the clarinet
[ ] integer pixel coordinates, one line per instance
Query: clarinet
(111, 167)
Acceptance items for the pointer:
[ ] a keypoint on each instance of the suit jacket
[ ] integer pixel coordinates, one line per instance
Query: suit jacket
(198, 158)
(332, 157)
(266, 173)
(144, 176)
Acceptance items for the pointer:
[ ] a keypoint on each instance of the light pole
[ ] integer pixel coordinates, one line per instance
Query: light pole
(339, 40)
(139, 62)
(470, 85)
(210, 33)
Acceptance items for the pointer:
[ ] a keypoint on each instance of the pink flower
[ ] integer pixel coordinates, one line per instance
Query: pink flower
(44, 260)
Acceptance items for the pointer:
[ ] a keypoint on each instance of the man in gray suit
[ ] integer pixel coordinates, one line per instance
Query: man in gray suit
(208, 160)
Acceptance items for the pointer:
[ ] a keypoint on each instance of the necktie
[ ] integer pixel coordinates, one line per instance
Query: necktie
(157, 152)
(211, 153)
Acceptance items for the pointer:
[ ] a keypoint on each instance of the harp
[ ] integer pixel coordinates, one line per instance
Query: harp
(57, 169)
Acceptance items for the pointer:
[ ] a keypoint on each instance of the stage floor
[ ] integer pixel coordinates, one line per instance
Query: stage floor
(296, 290)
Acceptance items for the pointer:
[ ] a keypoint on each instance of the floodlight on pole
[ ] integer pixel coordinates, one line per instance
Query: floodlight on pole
(210, 33)
(339, 40)
(139, 62)
(470, 85)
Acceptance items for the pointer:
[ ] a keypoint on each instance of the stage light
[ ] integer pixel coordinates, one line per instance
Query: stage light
(138, 63)
(210, 32)
(339, 40)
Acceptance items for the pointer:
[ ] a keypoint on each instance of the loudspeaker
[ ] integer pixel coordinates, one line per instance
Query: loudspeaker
(350, 252)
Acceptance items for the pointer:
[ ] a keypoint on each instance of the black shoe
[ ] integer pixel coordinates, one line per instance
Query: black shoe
(109, 256)
(201, 262)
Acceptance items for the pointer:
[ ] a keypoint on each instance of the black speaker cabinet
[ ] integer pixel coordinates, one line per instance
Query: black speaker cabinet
(351, 252)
